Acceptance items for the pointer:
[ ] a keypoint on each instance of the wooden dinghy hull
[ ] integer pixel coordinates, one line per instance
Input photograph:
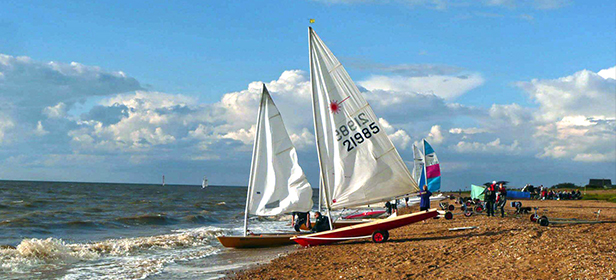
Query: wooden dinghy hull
(364, 230)
(256, 241)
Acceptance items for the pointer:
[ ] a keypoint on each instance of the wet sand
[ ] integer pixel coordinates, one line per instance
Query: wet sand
(502, 248)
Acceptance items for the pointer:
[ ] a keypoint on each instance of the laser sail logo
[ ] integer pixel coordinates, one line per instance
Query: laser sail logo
(335, 106)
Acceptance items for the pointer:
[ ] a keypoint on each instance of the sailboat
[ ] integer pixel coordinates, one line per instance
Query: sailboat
(418, 164)
(358, 162)
(204, 184)
(163, 180)
(432, 168)
(277, 183)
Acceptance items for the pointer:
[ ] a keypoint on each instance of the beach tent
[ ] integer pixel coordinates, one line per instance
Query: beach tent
(477, 192)
(518, 195)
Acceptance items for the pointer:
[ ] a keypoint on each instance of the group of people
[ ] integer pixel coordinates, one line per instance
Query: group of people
(495, 197)
(560, 195)
(303, 218)
(544, 193)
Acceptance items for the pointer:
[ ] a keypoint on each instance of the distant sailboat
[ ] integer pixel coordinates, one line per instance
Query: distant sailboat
(163, 180)
(204, 183)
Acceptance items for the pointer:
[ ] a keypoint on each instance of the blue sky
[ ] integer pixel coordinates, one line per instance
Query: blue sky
(193, 54)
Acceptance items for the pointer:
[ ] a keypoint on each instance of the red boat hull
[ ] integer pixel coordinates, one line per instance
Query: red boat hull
(364, 230)
(368, 214)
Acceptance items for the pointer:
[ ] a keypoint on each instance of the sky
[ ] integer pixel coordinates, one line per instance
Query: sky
(126, 91)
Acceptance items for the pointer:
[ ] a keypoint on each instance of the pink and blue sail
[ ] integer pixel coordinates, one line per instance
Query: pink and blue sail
(433, 169)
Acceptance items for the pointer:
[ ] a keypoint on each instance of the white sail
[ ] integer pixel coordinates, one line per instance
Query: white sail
(204, 184)
(359, 163)
(418, 166)
(277, 182)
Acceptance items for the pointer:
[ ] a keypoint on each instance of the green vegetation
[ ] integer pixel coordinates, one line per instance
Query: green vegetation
(607, 196)
(565, 186)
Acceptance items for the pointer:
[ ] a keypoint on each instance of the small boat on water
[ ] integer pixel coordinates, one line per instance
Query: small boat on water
(204, 184)
(277, 184)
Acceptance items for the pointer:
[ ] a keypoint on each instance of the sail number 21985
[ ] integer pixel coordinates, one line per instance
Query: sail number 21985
(358, 130)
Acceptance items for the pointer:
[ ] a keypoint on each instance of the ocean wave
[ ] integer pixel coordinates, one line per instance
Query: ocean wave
(200, 219)
(140, 256)
(147, 219)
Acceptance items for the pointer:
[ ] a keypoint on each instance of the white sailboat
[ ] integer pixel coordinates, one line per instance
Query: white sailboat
(204, 184)
(163, 180)
(277, 183)
(418, 166)
(359, 164)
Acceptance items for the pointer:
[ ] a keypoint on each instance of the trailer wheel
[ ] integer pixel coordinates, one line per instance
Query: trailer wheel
(534, 217)
(380, 236)
(468, 213)
(478, 209)
(448, 216)
(543, 221)
(451, 207)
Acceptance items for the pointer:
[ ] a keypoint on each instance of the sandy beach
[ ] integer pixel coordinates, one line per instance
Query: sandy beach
(505, 248)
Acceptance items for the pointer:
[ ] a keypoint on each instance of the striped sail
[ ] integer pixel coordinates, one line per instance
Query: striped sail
(433, 169)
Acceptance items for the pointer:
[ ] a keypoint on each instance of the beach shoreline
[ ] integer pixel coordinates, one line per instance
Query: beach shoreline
(510, 247)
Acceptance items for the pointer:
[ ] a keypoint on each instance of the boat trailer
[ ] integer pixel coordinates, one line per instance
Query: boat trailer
(545, 221)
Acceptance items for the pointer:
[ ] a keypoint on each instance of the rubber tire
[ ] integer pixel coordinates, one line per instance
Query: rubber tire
(451, 207)
(468, 213)
(448, 216)
(478, 209)
(380, 236)
(534, 217)
(543, 221)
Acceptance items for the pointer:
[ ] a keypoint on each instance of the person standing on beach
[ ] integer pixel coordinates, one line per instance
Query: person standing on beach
(424, 203)
(490, 197)
(502, 199)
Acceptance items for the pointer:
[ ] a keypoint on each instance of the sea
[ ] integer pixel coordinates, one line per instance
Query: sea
(68, 230)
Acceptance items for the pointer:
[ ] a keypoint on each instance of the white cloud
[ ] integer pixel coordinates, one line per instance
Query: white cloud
(33, 83)
(5, 124)
(609, 73)
(494, 147)
(583, 93)
(447, 87)
(436, 135)
(397, 136)
(445, 4)
(147, 128)
(55, 112)
(40, 130)
(470, 130)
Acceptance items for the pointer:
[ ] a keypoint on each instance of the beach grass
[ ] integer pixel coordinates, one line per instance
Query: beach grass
(607, 195)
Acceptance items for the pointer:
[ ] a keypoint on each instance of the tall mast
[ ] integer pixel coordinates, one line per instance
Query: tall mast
(425, 163)
(252, 163)
(316, 134)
